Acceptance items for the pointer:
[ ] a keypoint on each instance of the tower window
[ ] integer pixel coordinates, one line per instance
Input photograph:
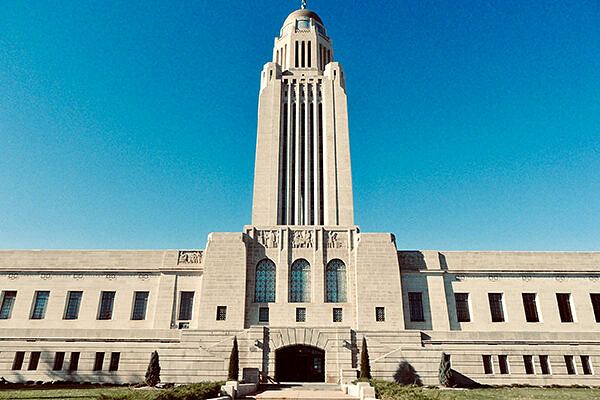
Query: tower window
(309, 51)
(139, 306)
(564, 307)
(300, 314)
(496, 307)
(335, 282)
(530, 306)
(337, 315)
(186, 305)
(303, 52)
(415, 304)
(265, 281)
(380, 314)
(299, 290)
(462, 307)
(263, 314)
(39, 304)
(221, 313)
(8, 300)
(296, 58)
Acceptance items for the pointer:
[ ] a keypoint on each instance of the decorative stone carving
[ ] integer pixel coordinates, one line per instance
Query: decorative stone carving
(526, 278)
(143, 277)
(269, 239)
(13, 275)
(189, 257)
(302, 239)
(111, 277)
(461, 277)
(45, 276)
(77, 276)
(336, 240)
(560, 278)
(595, 278)
(494, 278)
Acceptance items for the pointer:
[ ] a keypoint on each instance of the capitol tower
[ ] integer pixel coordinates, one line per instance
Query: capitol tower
(302, 172)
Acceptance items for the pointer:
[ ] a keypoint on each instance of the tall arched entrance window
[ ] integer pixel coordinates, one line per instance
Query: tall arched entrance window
(299, 289)
(335, 282)
(265, 281)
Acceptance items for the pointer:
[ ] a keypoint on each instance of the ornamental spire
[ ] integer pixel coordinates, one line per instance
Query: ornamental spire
(303, 4)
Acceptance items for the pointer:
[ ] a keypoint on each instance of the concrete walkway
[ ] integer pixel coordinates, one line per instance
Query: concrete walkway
(301, 391)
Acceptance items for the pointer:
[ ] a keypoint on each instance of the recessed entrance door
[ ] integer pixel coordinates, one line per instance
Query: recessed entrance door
(300, 364)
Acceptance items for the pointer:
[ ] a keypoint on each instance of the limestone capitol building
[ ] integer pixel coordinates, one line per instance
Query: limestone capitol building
(302, 285)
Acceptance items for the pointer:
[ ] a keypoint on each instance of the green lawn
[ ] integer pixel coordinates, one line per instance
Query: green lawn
(520, 393)
(73, 393)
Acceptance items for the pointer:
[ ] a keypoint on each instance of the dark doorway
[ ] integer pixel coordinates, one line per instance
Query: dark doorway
(300, 364)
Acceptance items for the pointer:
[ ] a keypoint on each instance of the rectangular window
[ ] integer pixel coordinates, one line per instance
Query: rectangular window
(18, 361)
(114, 361)
(544, 365)
(184, 325)
(503, 364)
(337, 315)
(8, 300)
(564, 307)
(140, 303)
(530, 307)
(186, 305)
(40, 302)
(586, 365)
(528, 363)
(415, 304)
(300, 314)
(72, 306)
(595, 297)
(59, 359)
(496, 307)
(379, 314)
(462, 307)
(34, 360)
(487, 364)
(74, 362)
(99, 361)
(263, 314)
(570, 364)
(221, 313)
(107, 301)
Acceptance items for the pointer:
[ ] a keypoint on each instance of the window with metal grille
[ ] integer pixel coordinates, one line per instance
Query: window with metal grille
(528, 363)
(564, 307)
(415, 304)
(265, 282)
(570, 364)
(34, 360)
(379, 314)
(462, 307)
(59, 359)
(114, 361)
(74, 362)
(140, 303)
(263, 314)
(184, 325)
(18, 360)
(299, 290)
(186, 305)
(107, 300)
(8, 300)
(300, 314)
(503, 363)
(530, 307)
(221, 313)
(99, 361)
(595, 297)
(496, 307)
(73, 303)
(586, 365)
(337, 315)
(40, 303)
(335, 282)
(544, 365)
(487, 364)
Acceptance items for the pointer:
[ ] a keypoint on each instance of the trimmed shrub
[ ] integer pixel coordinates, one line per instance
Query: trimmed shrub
(407, 375)
(365, 366)
(445, 372)
(393, 391)
(202, 390)
(234, 362)
(153, 371)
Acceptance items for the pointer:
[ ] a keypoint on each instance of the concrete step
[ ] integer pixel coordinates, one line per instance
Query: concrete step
(301, 391)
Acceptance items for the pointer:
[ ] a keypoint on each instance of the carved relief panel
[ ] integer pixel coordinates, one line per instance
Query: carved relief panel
(189, 257)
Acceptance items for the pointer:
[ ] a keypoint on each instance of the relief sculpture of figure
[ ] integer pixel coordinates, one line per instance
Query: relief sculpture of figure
(302, 239)
(332, 240)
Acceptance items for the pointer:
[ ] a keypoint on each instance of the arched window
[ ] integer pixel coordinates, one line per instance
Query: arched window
(335, 282)
(265, 281)
(300, 281)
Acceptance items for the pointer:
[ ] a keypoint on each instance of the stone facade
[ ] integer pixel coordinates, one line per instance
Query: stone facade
(301, 277)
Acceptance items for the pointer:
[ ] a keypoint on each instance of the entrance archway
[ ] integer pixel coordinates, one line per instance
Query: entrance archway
(299, 363)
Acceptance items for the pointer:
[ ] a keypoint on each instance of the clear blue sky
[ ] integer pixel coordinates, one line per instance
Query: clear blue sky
(473, 125)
